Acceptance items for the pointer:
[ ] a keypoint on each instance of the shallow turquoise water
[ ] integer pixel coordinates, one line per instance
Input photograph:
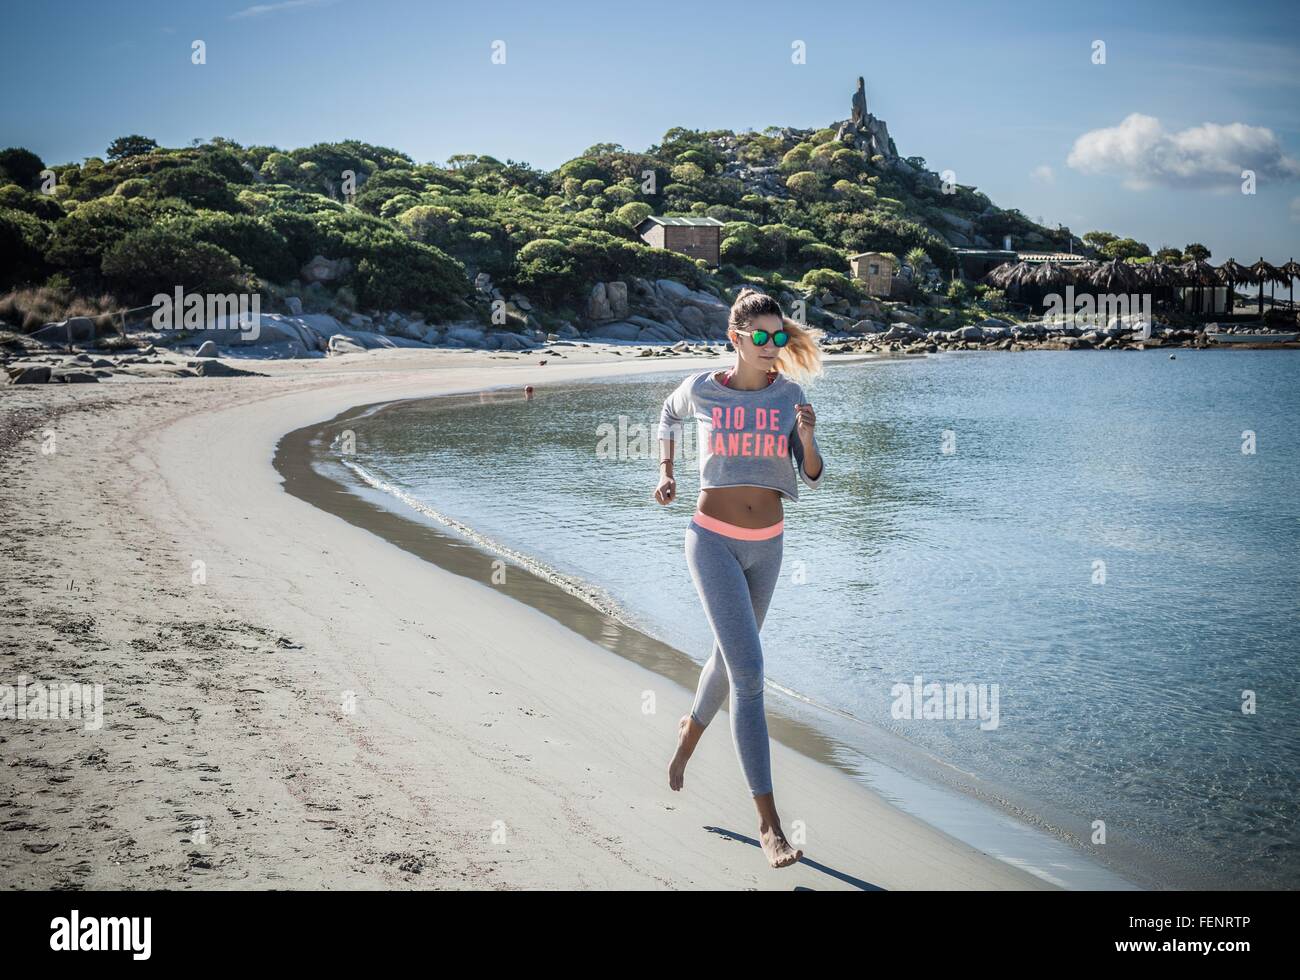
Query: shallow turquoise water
(1094, 542)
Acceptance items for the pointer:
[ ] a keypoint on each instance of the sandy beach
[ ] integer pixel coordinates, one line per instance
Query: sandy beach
(313, 707)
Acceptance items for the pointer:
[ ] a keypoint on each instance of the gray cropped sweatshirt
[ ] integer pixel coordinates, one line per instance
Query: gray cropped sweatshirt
(746, 438)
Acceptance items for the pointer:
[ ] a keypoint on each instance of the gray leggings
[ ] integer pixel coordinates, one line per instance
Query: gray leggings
(735, 579)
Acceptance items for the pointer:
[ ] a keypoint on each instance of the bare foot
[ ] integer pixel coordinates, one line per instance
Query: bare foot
(688, 736)
(778, 850)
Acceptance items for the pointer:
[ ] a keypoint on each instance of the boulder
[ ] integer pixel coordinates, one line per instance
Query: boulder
(616, 295)
(900, 331)
(320, 323)
(294, 305)
(660, 333)
(79, 329)
(339, 344)
(206, 349)
(511, 341)
(463, 335)
(963, 225)
(867, 326)
(321, 269)
(29, 374)
(598, 303)
(621, 330)
(973, 332)
(216, 369)
(69, 376)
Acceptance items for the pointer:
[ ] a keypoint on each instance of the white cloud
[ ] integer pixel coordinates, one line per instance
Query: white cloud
(1142, 152)
(1043, 174)
(271, 8)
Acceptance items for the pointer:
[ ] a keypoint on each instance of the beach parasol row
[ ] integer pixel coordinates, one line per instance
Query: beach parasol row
(1120, 276)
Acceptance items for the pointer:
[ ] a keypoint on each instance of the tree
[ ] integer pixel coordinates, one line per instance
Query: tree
(130, 146)
(1099, 239)
(1124, 248)
(917, 259)
(1167, 254)
(1196, 251)
(21, 166)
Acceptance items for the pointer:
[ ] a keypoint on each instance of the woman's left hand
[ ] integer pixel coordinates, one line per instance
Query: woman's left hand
(805, 422)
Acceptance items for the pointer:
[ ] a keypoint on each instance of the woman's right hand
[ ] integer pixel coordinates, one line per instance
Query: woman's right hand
(666, 492)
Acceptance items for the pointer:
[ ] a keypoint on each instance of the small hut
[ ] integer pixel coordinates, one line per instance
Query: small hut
(699, 238)
(875, 269)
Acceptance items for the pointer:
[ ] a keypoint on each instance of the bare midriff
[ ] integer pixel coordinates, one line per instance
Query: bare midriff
(743, 506)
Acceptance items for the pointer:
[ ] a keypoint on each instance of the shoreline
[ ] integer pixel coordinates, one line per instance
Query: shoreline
(487, 746)
(1020, 831)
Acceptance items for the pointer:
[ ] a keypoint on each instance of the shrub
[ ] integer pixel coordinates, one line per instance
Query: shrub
(837, 282)
(80, 240)
(131, 187)
(396, 273)
(818, 255)
(805, 184)
(959, 292)
(22, 244)
(254, 243)
(157, 260)
(196, 185)
(43, 206)
(634, 213)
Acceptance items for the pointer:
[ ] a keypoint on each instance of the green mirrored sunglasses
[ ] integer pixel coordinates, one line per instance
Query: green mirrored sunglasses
(760, 337)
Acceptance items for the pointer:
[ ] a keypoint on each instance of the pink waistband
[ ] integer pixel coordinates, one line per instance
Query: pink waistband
(735, 530)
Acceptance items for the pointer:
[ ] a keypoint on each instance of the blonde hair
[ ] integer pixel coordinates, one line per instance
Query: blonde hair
(801, 358)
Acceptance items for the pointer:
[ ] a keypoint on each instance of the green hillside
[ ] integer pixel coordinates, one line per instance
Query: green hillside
(219, 217)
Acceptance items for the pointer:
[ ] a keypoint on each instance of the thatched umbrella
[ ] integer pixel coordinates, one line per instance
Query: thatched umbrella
(1051, 275)
(1291, 270)
(1162, 274)
(1232, 273)
(997, 277)
(1116, 276)
(1081, 272)
(1263, 272)
(1007, 275)
(1198, 273)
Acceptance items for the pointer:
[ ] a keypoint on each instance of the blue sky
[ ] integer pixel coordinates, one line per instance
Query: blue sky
(998, 92)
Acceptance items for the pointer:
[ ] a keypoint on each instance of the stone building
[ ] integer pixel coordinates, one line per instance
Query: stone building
(699, 238)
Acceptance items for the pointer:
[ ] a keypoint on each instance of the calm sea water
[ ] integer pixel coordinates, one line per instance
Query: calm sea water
(1082, 533)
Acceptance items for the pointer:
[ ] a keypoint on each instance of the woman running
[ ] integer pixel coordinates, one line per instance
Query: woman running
(755, 431)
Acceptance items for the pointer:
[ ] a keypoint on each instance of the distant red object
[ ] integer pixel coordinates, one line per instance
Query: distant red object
(542, 363)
